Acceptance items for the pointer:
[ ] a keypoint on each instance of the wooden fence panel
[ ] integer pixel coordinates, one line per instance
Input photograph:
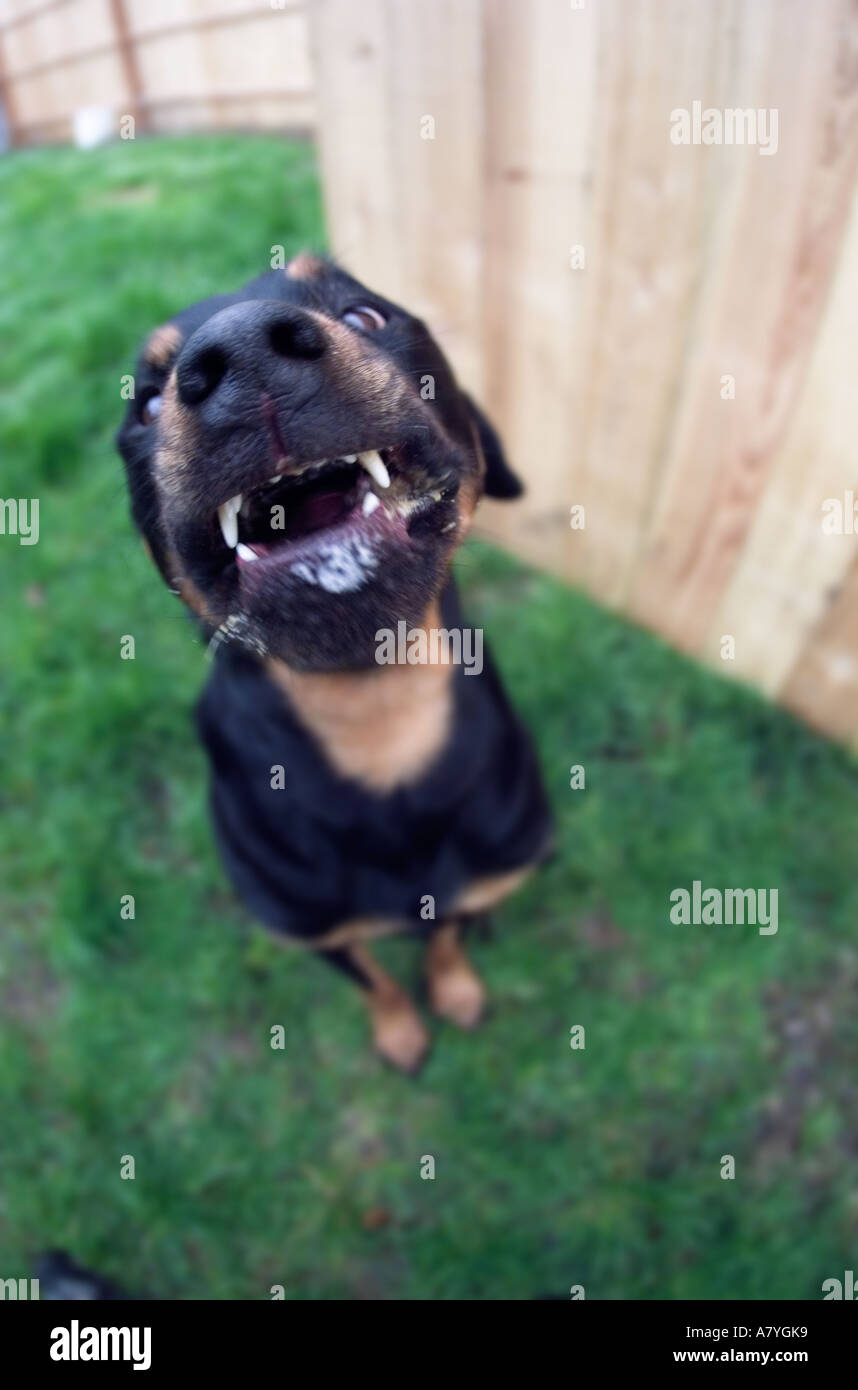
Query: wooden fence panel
(688, 379)
(172, 64)
(772, 262)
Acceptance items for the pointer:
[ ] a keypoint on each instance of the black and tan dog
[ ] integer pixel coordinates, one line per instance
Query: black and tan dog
(302, 466)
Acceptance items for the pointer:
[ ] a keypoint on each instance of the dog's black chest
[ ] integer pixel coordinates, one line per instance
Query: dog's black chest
(308, 850)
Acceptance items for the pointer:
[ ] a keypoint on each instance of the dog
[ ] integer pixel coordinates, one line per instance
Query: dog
(302, 466)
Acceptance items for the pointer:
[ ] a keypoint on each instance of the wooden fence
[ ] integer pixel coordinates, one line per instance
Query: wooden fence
(171, 64)
(664, 332)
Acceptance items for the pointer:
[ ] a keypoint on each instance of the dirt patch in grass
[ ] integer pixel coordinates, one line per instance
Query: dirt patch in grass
(133, 195)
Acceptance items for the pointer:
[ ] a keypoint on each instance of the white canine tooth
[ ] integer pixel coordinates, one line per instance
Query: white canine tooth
(349, 458)
(370, 502)
(228, 517)
(374, 465)
(245, 551)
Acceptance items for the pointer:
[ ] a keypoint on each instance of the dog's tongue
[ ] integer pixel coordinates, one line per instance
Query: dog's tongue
(316, 511)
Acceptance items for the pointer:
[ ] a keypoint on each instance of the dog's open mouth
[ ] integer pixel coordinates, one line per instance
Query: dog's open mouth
(296, 512)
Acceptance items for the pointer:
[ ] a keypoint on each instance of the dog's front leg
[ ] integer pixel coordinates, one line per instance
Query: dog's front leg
(456, 991)
(397, 1031)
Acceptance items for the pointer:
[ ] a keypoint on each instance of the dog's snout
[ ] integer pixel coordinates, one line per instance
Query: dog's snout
(250, 344)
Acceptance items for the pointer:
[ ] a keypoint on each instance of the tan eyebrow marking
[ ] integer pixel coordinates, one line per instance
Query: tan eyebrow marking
(162, 345)
(177, 440)
(304, 266)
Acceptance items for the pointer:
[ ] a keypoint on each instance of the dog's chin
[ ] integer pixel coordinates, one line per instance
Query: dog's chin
(318, 563)
(329, 606)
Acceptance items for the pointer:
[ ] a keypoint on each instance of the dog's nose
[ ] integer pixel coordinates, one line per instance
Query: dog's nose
(257, 343)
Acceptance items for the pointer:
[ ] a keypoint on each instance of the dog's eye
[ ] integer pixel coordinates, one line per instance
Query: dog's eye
(363, 317)
(150, 408)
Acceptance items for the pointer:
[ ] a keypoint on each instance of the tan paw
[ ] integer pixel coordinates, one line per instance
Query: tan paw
(400, 1038)
(458, 995)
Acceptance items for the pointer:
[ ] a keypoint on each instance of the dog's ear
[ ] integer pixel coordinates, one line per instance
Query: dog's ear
(499, 481)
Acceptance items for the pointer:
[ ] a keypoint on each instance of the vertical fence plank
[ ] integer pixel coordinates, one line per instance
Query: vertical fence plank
(128, 60)
(435, 139)
(775, 252)
(352, 62)
(790, 567)
(649, 244)
(541, 76)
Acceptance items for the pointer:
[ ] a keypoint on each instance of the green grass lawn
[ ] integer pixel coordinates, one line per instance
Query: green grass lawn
(150, 1037)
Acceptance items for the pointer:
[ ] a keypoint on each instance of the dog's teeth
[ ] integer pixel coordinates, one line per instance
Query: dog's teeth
(349, 458)
(374, 465)
(370, 502)
(228, 517)
(245, 551)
